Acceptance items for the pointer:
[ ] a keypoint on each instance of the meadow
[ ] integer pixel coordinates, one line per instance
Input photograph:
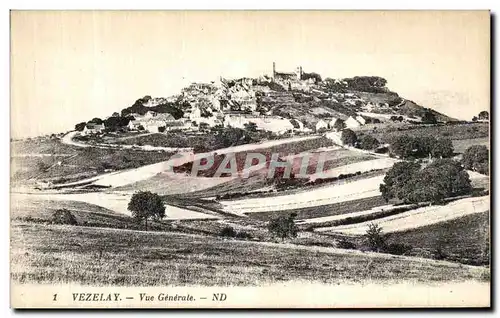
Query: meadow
(450, 131)
(94, 256)
(465, 239)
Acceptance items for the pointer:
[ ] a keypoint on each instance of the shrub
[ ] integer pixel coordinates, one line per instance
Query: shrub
(349, 137)
(345, 244)
(398, 248)
(375, 238)
(80, 126)
(339, 124)
(429, 117)
(63, 216)
(227, 231)
(476, 158)
(283, 226)
(368, 142)
(440, 254)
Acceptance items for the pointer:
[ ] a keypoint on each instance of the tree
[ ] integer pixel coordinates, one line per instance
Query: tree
(283, 226)
(442, 148)
(474, 118)
(419, 147)
(252, 127)
(63, 216)
(484, 115)
(422, 146)
(374, 84)
(429, 117)
(95, 120)
(349, 137)
(80, 126)
(397, 177)
(375, 238)
(368, 142)
(146, 205)
(441, 179)
(404, 147)
(476, 158)
(231, 137)
(339, 125)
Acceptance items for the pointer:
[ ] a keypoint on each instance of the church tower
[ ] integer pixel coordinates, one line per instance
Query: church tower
(299, 73)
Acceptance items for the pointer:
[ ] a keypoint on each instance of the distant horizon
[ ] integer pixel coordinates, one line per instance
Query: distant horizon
(439, 60)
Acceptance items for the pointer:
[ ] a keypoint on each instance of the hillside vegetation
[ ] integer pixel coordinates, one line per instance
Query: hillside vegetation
(62, 254)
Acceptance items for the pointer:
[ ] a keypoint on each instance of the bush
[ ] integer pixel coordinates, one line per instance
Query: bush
(406, 146)
(227, 231)
(80, 126)
(349, 137)
(63, 216)
(345, 244)
(368, 142)
(375, 238)
(283, 227)
(476, 158)
(398, 248)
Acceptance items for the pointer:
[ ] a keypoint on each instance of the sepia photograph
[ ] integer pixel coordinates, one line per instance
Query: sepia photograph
(250, 159)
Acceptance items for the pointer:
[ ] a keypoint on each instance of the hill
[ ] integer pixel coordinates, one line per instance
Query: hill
(306, 99)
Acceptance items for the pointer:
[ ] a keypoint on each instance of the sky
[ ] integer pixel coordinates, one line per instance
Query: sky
(70, 66)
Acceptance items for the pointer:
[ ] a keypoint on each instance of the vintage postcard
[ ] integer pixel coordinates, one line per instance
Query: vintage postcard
(250, 159)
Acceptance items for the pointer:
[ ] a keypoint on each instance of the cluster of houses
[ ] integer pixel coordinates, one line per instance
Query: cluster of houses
(92, 128)
(233, 103)
(157, 122)
(194, 121)
(330, 123)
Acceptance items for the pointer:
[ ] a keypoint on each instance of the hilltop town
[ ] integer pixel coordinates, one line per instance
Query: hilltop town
(281, 103)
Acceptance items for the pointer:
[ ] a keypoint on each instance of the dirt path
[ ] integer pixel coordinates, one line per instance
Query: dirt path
(68, 139)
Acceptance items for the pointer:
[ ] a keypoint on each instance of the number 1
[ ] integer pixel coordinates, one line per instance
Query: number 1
(55, 297)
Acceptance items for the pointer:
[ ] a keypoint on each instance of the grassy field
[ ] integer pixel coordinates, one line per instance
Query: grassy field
(41, 145)
(257, 182)
(461, 145)
(281, 150)
(165, 184)
(40, 211)
(454, 132)
(324, 210)
(80, 162)
(91, 256)
(172, 139)
(464, 240)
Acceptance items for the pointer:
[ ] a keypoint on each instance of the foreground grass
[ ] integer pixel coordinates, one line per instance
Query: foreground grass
(65, 254)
